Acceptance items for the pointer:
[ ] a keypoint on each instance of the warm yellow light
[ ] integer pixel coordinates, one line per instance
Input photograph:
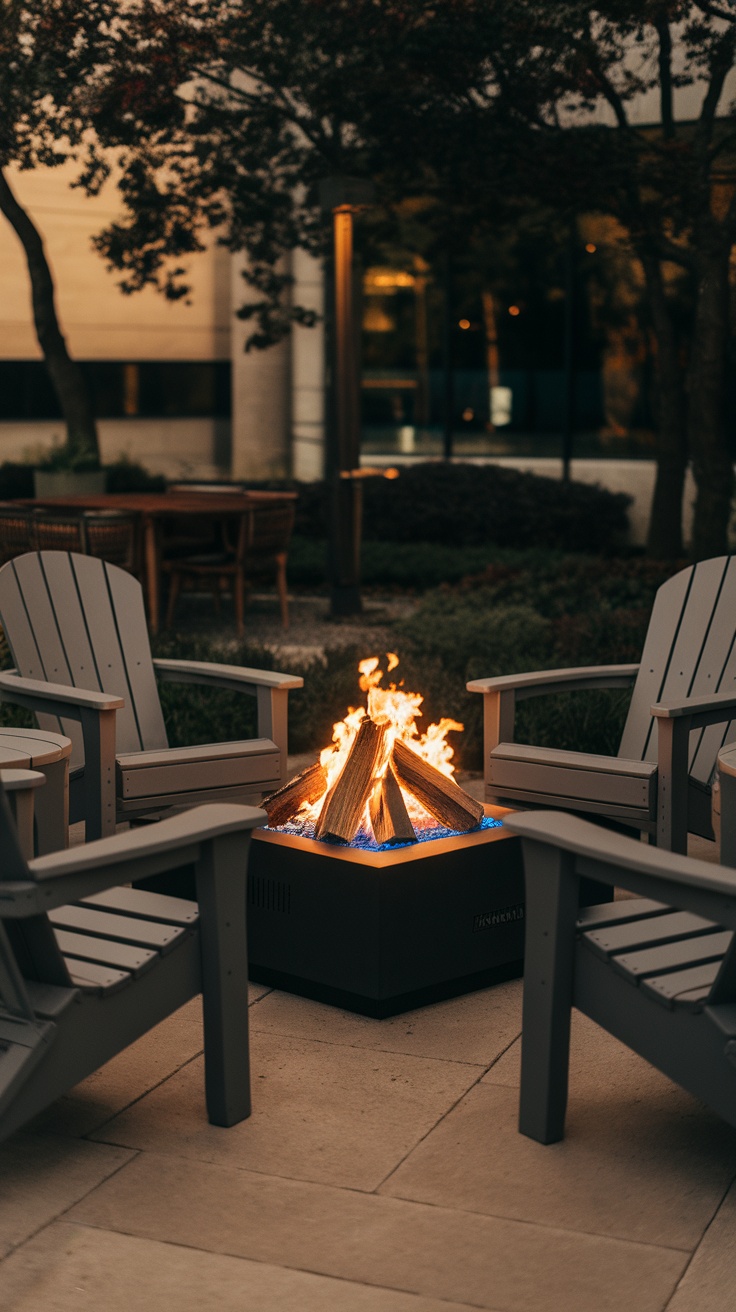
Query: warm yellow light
(591, 248)
(468, 414)
(514, 310)
(464, 323)
(389, 279)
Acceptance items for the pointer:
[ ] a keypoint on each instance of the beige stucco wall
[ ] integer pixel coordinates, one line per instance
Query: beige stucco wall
(272, 405)
(99, 322)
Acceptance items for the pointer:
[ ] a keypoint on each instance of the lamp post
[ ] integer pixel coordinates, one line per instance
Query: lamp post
(341, 197)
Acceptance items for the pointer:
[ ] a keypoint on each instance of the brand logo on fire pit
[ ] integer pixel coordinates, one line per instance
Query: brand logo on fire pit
(501, 916)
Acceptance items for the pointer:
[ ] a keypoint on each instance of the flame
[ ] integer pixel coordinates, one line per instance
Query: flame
(401, 709)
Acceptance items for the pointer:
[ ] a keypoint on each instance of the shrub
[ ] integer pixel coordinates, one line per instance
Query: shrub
(474, 505)
(454, 636)
(16, 479)
(405, 565)
(127, 476)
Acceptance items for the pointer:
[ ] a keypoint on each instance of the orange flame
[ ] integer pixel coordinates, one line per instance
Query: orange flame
(401, 709)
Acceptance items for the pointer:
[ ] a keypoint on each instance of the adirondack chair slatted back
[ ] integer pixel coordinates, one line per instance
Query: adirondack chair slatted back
(76, 620)
(28, 947)
(689, 651)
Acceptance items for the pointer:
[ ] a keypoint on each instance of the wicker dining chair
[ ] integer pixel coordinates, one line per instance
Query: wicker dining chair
(108, 534)
(16, 531)
(262, 546)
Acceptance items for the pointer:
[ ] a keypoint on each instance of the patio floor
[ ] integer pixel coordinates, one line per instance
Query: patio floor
(381, 1171)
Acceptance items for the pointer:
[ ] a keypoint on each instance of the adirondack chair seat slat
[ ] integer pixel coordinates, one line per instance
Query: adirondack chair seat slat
(120, 928)
(157, 806)
(635, 935)
(148, 906)
(93, 978)
(523, 798)
(669, 958)
(575, 775)
(618, 913)
(152, 774)
(104, 952)
(688, 988)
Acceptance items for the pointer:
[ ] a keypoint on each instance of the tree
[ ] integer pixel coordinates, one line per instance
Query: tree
(228, 114)
(670, 183)
(47, 50)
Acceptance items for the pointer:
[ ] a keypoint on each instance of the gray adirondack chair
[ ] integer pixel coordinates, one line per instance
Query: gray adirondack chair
(658, 971)
(87, 966)
(77, 633)
(679, 716)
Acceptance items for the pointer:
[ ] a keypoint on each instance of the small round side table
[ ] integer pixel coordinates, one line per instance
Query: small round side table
(724, 804)
(48, 753)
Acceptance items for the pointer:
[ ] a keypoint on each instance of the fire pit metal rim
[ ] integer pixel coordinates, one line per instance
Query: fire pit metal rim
(391, 856)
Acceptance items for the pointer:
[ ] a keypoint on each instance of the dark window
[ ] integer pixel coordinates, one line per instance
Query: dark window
(146, 389)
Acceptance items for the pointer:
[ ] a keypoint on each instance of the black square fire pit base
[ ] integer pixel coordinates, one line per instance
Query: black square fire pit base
(382, 932)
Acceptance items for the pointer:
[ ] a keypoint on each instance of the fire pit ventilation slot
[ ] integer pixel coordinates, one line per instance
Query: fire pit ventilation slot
(269, 894)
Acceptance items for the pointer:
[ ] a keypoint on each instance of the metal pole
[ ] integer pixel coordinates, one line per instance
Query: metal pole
(346, 490)
(569, 354)
(447, 362)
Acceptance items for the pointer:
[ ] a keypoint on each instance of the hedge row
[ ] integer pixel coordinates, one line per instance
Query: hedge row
(474, 505)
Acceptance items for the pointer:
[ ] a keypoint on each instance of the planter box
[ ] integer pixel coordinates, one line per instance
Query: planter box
(381, 932)
(69, 482)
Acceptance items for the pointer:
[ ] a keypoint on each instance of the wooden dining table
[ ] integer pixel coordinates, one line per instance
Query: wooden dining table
(151, 509)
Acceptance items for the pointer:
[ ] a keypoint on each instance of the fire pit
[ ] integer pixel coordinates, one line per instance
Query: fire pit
(380, 884)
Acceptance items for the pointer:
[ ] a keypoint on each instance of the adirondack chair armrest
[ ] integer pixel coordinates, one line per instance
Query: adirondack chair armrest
(679, 881)
(68, 875)
(700, 711)
(238, 678)
(57, 698)
(269, 687)
(502, 693)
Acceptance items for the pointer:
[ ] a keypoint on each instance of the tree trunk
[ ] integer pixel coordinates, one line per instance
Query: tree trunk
(707, 385)
(66, 376)
(664, 539)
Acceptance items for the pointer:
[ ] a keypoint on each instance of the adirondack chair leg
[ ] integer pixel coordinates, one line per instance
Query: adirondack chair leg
(52, 809)
(98, 730)
(273, 708)
(672, 784)
(499, 713)
(221, 884)
(552, 907)
(728, 819)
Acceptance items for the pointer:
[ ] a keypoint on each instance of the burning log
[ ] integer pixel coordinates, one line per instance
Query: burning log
(307, 788)
(345, 803)
(441, 796)
(389, 816)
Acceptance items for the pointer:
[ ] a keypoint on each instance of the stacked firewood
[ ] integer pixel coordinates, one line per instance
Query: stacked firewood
(367, 777)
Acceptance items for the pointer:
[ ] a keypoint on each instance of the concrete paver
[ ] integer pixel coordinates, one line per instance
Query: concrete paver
(41, 1176)
(434, 1251)
(381, 1172)
(709, 1284)
(653, 1171)
(476, 1028)
(72, 1268)
(322, 1112)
